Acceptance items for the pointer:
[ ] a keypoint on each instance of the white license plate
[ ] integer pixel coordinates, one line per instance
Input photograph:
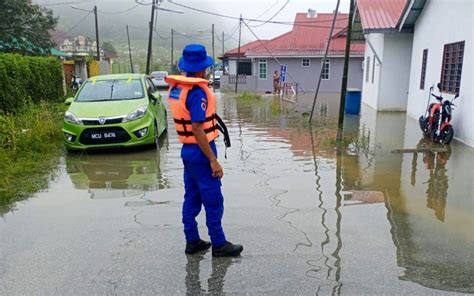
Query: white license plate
(103, 136)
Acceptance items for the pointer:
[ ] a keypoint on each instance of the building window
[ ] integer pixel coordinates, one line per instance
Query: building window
(326, 69)
(367, 69)
(305, 63)
(262, 69)
(245, 68)
(373, 70)
(452, 67)
(423, 69)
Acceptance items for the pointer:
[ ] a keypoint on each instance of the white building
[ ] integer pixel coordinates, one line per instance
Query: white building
(412, 45)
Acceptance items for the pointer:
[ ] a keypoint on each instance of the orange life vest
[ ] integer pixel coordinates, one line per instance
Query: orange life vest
(177, 96)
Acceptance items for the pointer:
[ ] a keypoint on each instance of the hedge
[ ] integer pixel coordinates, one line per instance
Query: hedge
(26, 78)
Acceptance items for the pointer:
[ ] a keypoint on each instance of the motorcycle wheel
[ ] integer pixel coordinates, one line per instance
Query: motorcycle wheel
(424, 126)
(447, 135)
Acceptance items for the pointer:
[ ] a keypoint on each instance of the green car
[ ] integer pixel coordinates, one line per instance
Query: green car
(120, 110)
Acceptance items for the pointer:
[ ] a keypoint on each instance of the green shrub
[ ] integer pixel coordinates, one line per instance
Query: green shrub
(26, 79)
(30, 143)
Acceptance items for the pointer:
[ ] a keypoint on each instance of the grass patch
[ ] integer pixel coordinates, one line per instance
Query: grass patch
(249, 96)
(30, 143)
(357, 143)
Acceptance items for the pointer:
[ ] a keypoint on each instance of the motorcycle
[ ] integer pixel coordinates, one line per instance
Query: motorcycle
(76, 83)
(436, 122)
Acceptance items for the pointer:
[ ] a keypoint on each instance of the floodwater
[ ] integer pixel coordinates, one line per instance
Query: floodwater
(312, 220)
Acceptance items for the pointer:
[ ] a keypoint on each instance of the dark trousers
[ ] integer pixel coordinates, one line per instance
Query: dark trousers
(201, 188)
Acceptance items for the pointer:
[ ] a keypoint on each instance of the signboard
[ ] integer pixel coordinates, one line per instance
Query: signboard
(283, 73)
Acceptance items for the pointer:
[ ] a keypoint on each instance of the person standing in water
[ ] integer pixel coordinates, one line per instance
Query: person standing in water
(276, 82)
(193, 105)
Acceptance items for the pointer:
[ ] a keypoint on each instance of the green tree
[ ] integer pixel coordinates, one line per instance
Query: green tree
(25, 27)
(108, 46)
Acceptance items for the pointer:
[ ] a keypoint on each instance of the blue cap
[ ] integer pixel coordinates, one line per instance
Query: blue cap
(195, 58)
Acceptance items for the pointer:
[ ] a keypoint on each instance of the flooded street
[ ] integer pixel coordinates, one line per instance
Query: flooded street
(312, 221)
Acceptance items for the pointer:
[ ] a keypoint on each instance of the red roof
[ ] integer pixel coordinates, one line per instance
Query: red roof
(380, 14)
(307, 38)
(244, 48)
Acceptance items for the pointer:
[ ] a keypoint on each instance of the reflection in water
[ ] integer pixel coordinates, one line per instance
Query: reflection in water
(336, 288)
(436, 252)
(437, 191)
(132, 172)
(367, 172)
(215, 282)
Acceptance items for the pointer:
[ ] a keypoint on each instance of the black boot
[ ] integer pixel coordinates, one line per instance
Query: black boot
(198, 246)
(227, 250)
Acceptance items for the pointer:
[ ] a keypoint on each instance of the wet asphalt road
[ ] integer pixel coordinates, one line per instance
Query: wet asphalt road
(312, 222)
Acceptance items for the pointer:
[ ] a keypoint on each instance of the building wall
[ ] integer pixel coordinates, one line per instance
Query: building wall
(371, 75)
(232, 67)
(307, 77)
(250, 85)
(395, 76)
(443, 22)
(386, 85)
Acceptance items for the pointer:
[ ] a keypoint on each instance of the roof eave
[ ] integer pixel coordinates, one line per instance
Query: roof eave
(352, 55)
(412, 9)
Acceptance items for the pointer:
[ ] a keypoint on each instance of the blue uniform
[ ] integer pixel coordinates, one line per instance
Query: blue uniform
(201, 188)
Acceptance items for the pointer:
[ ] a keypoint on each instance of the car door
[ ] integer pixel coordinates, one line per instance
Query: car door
(158, 108)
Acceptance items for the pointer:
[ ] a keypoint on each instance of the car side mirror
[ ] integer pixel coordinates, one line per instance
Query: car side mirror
(439, 86)
(152, 98)
(68, 101)
(456, 96)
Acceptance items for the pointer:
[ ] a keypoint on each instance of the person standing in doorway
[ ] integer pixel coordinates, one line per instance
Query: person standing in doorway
(193, 105)
(276, 82)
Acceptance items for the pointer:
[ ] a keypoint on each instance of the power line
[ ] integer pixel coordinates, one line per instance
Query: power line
(268, 9)
(273, 16)
(161, 36)
(233, 31)
(141, 3)
(302, 23)
(78, 23)
(324, 59)
(120, 12)
(61, 3)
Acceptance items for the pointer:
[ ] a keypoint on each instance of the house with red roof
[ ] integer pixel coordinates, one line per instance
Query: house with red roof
(411, 45)
(301, 50)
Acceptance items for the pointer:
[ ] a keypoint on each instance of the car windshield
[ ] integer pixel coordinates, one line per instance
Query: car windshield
(218, 73)
(106, 90)
(159, 74)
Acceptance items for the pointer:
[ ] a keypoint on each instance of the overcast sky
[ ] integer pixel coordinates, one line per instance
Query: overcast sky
(190, 22)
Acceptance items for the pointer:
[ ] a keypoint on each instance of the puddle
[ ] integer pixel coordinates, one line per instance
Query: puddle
(363, 221)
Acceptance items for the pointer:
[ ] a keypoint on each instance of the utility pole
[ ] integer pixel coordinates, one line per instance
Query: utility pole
(97, 33)
(213, 60)
(238, 54)
(342, 103)
(172, 49)
(129, 51)
(328, 43)
(223, 53)
(223, 48)
(150, 37)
